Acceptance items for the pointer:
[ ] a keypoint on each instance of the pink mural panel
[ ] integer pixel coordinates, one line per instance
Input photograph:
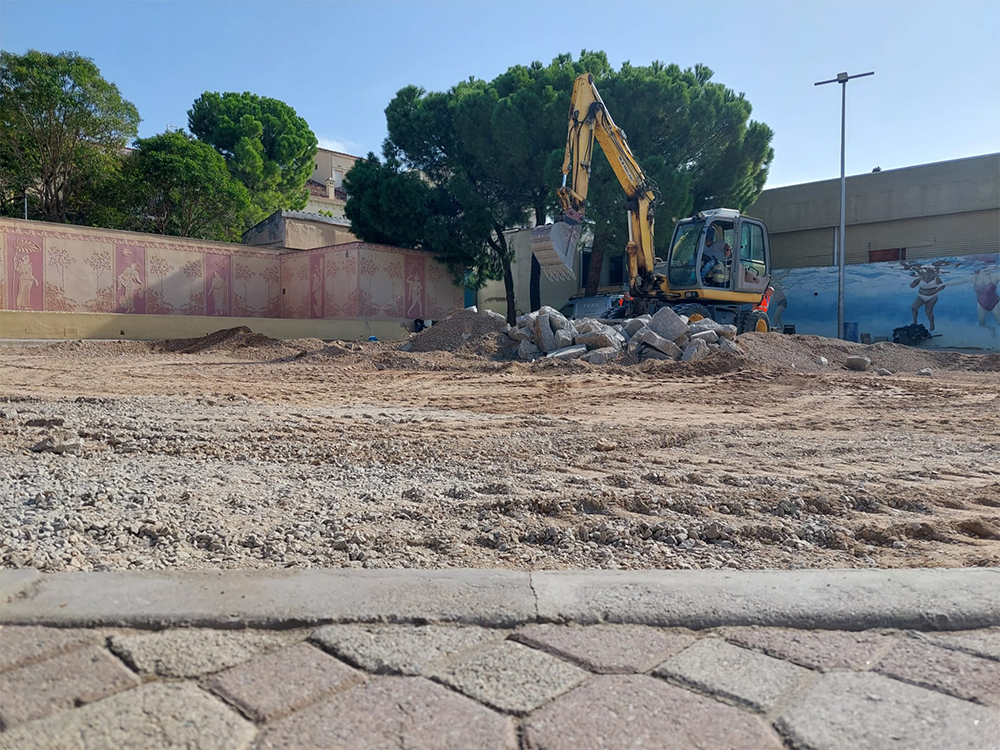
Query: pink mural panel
(316, 284)
(25, 272)
(218, 284)
(415, 284)
(130, 279)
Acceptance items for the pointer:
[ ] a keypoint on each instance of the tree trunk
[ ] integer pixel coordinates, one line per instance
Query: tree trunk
(596, 263)
(535, 280)
(535, 290)
(508, 283)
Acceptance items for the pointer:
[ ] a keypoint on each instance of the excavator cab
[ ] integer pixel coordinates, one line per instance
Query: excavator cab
(720, 254)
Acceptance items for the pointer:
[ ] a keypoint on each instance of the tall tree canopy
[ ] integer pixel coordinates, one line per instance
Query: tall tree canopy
(692, 136)
(266, 145)
(488, 155)
(177, 185)
(62, 130)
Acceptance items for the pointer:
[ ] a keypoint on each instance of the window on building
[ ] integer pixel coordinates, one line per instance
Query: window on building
(884, 256)
(617, 275)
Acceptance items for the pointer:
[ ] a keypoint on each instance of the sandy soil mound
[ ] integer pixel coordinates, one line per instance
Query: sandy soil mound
(466, 330)
(235, 340)
(781, 350)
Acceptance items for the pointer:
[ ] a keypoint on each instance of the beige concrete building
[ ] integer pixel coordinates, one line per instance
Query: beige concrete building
(298, 230)
(931, 210)
(326, 184)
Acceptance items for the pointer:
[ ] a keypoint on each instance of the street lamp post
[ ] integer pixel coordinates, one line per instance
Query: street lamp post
(842, 79)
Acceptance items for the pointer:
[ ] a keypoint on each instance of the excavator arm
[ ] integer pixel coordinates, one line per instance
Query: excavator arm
(555, 245)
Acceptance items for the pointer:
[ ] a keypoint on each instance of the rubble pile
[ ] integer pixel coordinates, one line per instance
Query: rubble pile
(664, 335)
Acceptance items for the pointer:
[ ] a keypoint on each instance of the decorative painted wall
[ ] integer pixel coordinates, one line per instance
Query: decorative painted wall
(55, 268)
(957, 299)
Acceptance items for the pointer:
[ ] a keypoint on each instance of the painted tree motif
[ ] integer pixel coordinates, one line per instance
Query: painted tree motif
(244, 274)
(103, 296)
(192, 270)
(160, 268)
(60, 259)
(272, 277)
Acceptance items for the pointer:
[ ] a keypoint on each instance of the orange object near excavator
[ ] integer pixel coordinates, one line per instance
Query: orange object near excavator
(718, 264)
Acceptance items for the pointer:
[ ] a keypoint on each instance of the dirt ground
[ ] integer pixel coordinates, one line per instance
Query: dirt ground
(245, 452)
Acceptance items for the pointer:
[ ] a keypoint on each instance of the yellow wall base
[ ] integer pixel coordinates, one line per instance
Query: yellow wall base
(58, 325)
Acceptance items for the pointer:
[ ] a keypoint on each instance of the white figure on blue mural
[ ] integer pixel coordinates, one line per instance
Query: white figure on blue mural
(929, 285)
(987, 288)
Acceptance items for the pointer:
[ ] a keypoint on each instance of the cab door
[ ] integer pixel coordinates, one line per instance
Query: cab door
(752, 267)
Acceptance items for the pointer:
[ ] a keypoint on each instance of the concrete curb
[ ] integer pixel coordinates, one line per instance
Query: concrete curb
(918, 599)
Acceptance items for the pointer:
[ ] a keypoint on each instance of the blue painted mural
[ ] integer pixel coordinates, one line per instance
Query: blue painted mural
(955, 299)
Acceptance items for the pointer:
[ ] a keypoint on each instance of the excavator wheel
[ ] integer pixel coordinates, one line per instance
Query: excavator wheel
(755, 321)
(693, 311)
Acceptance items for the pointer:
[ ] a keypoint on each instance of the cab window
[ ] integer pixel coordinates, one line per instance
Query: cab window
(567, 310)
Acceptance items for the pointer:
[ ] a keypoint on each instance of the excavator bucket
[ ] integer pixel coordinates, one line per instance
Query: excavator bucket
(554, 245)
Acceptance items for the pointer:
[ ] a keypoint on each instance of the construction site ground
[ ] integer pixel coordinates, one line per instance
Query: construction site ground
(237, 451)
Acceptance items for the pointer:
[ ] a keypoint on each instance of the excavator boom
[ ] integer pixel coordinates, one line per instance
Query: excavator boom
(554, 245)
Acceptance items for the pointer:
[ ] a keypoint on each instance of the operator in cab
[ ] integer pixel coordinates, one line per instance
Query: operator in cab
(715, 257)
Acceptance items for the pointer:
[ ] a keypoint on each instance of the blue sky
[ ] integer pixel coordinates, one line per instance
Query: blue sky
(935, 95)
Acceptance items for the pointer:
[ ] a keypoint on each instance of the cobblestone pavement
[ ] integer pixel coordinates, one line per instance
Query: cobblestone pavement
(537, 686)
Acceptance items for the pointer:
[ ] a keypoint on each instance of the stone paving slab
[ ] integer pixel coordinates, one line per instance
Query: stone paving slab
(953, 672)
(642, 713)
(607, 649)
(156, 715)
(193, 653)
(388, 713)
(68, 680)
(985, 643)
(269, 687)
(511, 677)
(270, 598)
(402, 649)
(868, 711)
(713, 666)
(918, 599)
(817, 649)
(24, 645)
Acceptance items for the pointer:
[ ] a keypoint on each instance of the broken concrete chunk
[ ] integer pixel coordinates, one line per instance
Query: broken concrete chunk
(563, 339)
(493, 315)
(568, 352)
(634, 326)
(882, 371)
(528, 351)
(545, 337)
(667, 324)
(601, 356)
(695, 350)
(858, 362)
(472, 308)
(649, 352)
(728, 332)
(924, 371)
(649, 338)
(599, 340)
(705, 324)
(521, 334)
(709, 337)
(589, 325)
(727, 346)
(822, 361)
(527, 320)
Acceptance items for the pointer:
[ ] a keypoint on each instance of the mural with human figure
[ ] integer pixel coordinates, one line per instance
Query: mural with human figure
(25, 272)
(951, 301)
(56, 268)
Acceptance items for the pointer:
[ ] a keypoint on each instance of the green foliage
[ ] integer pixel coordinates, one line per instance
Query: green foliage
(179, 186)
(62, 130)
(266, 145)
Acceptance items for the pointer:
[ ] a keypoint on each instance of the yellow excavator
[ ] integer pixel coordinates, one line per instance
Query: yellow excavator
(718, 263)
